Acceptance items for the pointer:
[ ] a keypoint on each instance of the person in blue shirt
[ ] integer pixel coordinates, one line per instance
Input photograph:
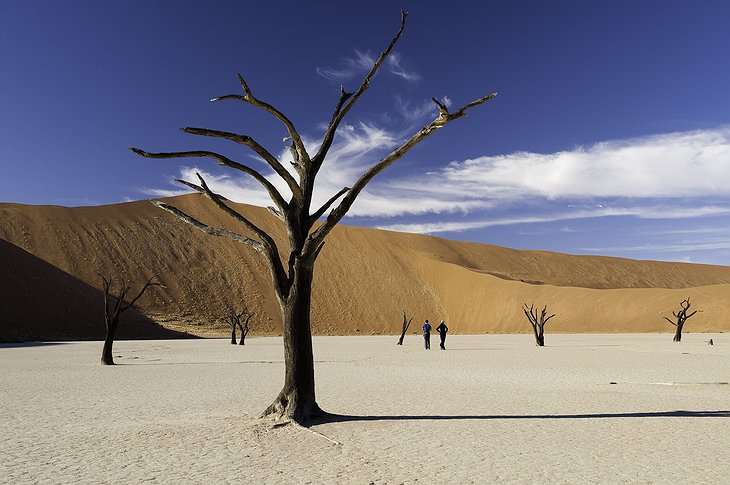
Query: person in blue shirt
(442, 329)
(427, 335)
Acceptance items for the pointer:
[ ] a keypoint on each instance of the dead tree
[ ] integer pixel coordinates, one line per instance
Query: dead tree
(292, 274)
(404, 328)
(234, 320)
(681, 316)
(245, 328)
(537, 322)
(112, 312)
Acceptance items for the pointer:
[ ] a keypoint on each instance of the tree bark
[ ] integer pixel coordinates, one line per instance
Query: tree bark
(296, 401)
(404, 328)
(112, 323)
(233, 333)
(106, 354)
(678, 334)
(540, 338)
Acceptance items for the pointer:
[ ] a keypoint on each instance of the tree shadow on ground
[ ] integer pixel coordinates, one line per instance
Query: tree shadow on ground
(11, 345)
(340, 418)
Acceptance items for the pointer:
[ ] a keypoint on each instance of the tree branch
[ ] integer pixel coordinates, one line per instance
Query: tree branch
(267, 248)
(222, 160)
(141, 292)
(341, 110)
(320, 212)
(272, 250)
(250, 99)
(339, 212)
(667, 319)
(197, 188)
(213, 231)
(255, 146)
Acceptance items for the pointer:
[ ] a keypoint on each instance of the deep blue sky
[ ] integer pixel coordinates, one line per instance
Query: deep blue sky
(610, 135)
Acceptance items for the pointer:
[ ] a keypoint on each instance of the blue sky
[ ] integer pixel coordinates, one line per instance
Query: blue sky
(610, 134)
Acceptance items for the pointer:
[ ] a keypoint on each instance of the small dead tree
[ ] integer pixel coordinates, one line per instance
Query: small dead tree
(292, 270)
(537, 322)
(113, 310)
(681, 316)
(404, 328)
(233, 319)
(240, 320)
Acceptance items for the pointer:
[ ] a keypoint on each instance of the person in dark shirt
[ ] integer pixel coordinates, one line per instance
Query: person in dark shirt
(442, 329)
(427, 335)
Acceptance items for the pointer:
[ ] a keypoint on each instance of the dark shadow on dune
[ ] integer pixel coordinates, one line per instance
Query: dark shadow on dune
(41, 302)
(340, 418)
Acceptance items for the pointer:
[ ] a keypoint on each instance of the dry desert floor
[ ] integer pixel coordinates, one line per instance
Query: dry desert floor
(490, 409)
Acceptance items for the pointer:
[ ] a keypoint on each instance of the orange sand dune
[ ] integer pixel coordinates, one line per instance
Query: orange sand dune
(364, 277)
(41, 302)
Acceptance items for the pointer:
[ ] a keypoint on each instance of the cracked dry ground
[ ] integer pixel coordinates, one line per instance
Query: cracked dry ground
(491, 409)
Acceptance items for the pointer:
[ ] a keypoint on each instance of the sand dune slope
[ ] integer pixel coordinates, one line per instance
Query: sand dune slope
(41, 302)
(364, 277)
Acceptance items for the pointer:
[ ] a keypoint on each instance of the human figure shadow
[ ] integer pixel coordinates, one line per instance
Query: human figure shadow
(340, 418)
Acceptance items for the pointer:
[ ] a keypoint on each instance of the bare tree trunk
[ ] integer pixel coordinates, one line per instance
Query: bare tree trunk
(233, 333)
(540, 336)
(106, 354)
(245, 328)
(296, 401)
(404, 328)
(678, 333)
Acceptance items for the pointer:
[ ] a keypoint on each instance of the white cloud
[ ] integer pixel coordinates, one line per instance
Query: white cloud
(361, 63)
(689, 164)
(659, 177)
(395, 67)
(653, 212)
(670, 248)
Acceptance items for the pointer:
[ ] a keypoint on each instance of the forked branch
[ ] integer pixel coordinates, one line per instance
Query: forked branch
(249, 98)
(260, 233)
(213, 231)
(255, 146)
(267, 247)
(348, 100)
(320, 212)
(225, 161)
(339, 212)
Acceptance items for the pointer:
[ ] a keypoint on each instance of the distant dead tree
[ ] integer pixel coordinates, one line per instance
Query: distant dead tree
(240, 320)
(230, 319)
(681, 317)
(404, 328)
(537, 322)
(292, 270)
(113, 310)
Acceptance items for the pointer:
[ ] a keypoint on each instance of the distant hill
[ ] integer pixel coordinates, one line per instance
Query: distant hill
(363, 279)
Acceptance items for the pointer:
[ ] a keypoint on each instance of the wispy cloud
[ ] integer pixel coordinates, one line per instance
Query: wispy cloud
(395, 67)
(660, 177)
(653, 212)
(361, 63)
(680, 247)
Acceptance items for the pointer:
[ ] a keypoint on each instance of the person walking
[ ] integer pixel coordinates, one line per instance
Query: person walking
(427, 335)
(442, 329)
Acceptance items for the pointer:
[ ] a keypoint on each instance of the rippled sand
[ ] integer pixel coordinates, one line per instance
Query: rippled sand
(491, 409)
